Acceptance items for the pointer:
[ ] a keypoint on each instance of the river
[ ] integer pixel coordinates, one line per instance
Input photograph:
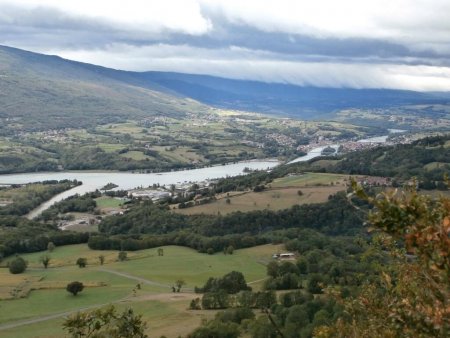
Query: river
(316, 152)
(127, 180)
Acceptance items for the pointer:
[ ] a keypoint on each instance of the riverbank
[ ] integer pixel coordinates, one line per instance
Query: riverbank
(128, 180)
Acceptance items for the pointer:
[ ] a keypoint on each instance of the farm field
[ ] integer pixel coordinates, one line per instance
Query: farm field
(115, 282)
(309, 179)
(281, 194)
(108, 202)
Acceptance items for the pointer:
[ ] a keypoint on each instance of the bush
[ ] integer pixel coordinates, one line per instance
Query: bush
(51, 246)
(195, 304)
(17, 265)
(216, 329)
(45, 260)
(122, 256)
(106, 322)
(81, 262)
(230, 250)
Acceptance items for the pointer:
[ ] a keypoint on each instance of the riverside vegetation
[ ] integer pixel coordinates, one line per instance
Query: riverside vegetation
(158, 269)
(339, 268)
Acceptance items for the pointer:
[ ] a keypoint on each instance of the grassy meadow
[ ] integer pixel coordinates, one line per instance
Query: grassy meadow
(45, 301)
(282, 193)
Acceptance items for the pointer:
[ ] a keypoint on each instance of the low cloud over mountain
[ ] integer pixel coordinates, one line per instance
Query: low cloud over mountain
(358, 44)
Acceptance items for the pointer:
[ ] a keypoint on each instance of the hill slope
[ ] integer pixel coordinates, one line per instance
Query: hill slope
(42, 92)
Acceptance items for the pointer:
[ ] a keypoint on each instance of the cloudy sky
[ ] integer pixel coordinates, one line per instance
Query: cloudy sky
(347, 43)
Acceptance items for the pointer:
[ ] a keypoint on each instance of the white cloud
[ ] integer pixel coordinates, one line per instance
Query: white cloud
(412, 21)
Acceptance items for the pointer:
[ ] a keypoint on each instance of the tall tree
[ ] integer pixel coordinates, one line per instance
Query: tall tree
(413, 297)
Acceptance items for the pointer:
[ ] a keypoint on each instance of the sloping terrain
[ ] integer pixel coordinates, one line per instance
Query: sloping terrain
(44, 92)
(286, 99)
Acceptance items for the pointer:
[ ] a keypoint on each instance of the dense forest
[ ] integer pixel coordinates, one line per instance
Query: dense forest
(428, 160)
(17, 233)
(148, 225)
(324, 262)
(75, 203)
(20, 235)
(21, 199)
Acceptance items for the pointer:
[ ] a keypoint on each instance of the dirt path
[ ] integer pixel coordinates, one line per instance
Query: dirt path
(258, 280)
(39, 319)
(140, 279)
(163, 297)
(35, 320)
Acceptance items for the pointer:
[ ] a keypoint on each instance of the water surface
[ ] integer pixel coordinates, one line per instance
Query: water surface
(128, 180)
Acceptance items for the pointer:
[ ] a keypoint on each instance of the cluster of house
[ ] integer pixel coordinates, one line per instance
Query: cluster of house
(374, 181)
(282, 139)
(154, 195)
(284, 256)
(158, 193)
(153, 121)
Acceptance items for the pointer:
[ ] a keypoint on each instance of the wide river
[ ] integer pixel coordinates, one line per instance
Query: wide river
(127, 180)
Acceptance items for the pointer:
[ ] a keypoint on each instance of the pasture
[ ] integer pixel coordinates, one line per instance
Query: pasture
(282, 193)
(41, 311)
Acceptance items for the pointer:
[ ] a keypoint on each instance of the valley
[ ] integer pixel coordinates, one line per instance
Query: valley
(164, 144)
(213, 207)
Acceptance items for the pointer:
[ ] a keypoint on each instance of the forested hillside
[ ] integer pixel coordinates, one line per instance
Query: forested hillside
(428, 160)
(40, 92)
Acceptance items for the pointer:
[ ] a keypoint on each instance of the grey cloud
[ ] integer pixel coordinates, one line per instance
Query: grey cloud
(45, 27)
(230, 48)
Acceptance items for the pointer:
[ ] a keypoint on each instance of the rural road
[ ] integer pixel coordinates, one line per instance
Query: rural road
(140, 279)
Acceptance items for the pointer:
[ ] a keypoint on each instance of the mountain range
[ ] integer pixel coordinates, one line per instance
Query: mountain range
(43, 91)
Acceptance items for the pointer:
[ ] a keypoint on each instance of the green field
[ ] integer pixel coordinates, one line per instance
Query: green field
(165, 312)
(194, 268)
(135, 155)
(108, 202)
(110, 147)
(308, 179)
